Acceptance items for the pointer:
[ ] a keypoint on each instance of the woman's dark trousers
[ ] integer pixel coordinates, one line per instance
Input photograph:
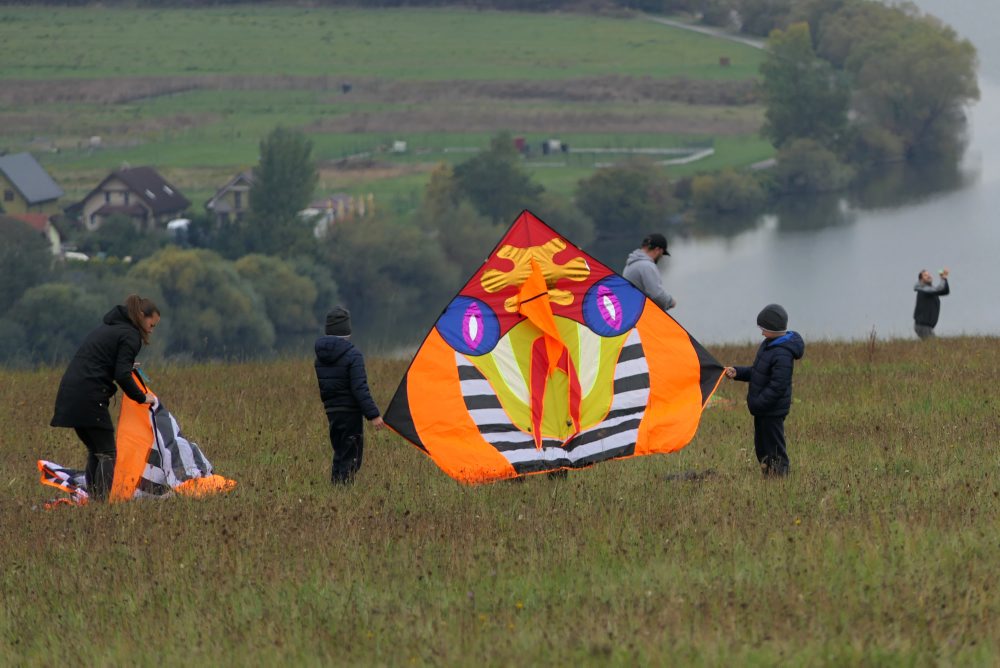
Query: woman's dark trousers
(347, 439)
(100, 460)
(769, 443)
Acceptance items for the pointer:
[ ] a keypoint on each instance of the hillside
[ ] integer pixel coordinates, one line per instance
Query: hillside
(192, 91)
(878, 549)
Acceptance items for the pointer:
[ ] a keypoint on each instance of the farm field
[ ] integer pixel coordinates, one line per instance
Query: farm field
(879, 549)
(192, 91)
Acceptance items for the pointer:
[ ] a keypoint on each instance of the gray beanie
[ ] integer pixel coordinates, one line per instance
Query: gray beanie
(338, 322)
(773, 318)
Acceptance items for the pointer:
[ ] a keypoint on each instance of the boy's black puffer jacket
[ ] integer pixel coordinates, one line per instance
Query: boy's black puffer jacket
(343, 383)
(770, 391)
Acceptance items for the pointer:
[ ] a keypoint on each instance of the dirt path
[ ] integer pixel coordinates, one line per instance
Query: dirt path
(708, 30)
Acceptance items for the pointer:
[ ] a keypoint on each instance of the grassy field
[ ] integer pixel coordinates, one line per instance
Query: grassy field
(880, 549)
(192, 91)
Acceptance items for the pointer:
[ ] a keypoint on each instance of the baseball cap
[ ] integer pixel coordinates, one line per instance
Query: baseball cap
(656, 240)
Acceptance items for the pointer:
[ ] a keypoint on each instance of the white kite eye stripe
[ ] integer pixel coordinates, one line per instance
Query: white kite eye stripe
(613, 437)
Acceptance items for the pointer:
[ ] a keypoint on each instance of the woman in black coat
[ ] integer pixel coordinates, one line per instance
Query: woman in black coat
(106, 356)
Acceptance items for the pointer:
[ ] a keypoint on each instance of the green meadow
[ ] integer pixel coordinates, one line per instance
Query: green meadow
(880, 548)
(192, 91)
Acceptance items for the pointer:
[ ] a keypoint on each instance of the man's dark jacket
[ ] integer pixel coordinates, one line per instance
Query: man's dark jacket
(928, 306)
(343, 383)
(770, 391)
(104, 358)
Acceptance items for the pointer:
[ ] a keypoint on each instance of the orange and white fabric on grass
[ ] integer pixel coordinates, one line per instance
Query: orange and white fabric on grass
(546, 360)
(154, 459)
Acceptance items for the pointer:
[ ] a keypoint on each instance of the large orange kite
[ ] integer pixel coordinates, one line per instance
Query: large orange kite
(549, 360)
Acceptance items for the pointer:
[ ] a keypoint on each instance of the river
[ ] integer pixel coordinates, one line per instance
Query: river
(845, 266)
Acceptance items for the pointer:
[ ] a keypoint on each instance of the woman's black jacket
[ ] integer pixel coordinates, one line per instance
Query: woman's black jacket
(105, 357)
(770, 391)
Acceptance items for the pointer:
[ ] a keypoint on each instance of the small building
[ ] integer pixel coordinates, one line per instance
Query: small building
(41, 223)
(137, 192)
(336, 208)
(231, 202)
(25, 186)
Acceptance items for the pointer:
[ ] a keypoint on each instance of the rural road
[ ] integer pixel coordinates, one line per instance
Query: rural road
(708, 30)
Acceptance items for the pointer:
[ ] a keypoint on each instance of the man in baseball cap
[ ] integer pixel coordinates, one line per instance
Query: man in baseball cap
(640, 270)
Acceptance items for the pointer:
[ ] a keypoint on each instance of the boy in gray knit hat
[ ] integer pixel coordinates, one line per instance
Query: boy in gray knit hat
(769, 396)
(343, 387)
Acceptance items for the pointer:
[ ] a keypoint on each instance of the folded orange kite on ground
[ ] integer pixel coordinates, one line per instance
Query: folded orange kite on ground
(154, 459)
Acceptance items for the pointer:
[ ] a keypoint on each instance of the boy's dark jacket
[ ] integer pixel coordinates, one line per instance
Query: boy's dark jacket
(343, 383)
(770, 391)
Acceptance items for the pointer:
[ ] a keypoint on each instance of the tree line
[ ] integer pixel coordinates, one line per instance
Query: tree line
(848, 84)
(261, 286)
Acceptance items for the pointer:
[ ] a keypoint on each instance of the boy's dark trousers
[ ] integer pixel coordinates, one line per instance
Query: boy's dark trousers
(101, 452)
(769, 443)
(347, 439)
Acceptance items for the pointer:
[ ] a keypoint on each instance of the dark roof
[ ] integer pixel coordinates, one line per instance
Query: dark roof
(30, 178)
(148, 185)
(213, 203)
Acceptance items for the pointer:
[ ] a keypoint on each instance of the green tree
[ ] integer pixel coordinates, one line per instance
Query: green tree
(913, 78)
(465, 236)
(216, 313)
(55, 317)
(805, 97)
(395, 279)
(760, 17)
(284, 182)
(289, 298)
(918, 87)
(564, 217)
(631, 199)
(119, 237)
(717, 12)
(805, 166)
(14, 351)
(327, 293)
(727, 191)
(495, 183)
(25, 260)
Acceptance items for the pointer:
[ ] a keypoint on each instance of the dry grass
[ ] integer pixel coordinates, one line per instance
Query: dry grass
(880, 548)
(605, 88)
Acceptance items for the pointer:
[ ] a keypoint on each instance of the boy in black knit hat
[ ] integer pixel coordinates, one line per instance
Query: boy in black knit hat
(769, 396)
(343, 387)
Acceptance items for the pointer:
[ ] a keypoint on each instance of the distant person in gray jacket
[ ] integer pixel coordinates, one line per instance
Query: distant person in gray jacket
(928, 308)
(640, 270)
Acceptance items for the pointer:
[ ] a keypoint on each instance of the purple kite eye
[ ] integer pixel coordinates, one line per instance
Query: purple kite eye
(612, 306)
(472, 326)
(469, 326)
(609, 307)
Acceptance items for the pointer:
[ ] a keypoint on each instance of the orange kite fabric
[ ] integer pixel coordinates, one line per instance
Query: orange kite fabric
(546, 360)
(153, 459)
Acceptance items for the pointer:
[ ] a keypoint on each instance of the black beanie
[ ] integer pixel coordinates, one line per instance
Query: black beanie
(773, 318)
(338, 322)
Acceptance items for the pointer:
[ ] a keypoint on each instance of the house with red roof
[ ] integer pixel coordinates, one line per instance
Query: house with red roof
(41, 223)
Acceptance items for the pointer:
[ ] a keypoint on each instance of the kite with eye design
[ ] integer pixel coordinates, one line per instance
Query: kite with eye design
(546, 360)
